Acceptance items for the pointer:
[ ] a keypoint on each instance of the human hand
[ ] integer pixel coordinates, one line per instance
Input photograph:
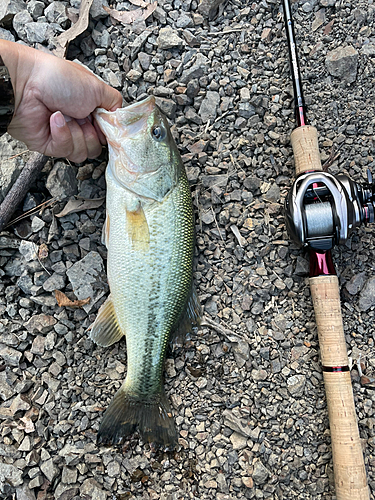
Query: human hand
(54, 99)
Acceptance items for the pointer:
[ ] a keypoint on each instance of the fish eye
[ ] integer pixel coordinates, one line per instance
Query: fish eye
(158, 133)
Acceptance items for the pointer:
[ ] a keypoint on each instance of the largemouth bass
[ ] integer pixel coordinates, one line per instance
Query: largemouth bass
(149, 234)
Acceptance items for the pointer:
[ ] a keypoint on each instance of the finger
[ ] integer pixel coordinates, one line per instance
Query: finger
(93, 145)
(101, 136)
(61, 142)
(79, 153)
(111, 99)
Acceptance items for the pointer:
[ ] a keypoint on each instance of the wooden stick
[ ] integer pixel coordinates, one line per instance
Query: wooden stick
(20, 188)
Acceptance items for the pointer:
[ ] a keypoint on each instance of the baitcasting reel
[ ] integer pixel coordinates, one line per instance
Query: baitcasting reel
(322, 210)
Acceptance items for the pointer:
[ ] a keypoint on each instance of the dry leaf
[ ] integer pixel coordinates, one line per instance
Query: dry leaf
(64, 301)
(328, 28)
(74, 205)
(129, 17)
(62, 41)
(43, 252)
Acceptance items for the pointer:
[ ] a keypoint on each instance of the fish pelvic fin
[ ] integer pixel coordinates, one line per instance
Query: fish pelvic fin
(189, 319)
(106, 331)
(150, 415)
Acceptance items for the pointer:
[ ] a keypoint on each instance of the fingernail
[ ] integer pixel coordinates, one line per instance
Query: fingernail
(59, 119)
(67, 118)
(81, 121)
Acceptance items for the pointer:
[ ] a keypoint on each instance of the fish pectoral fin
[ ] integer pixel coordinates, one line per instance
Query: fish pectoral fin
(189, 319)
(138, 229)
(106, 331)
(105, 231)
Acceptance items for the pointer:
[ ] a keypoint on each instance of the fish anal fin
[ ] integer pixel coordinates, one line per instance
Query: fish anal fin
(190, 318)
(106, 331)
(127, 412)
(138, 229)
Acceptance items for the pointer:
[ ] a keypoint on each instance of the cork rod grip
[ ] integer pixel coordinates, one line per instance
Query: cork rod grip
(348, 462)
(306, 149)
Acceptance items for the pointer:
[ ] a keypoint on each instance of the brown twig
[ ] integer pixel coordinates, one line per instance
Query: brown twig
(20, 188)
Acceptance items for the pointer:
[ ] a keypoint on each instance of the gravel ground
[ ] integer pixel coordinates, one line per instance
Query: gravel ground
(248, 400)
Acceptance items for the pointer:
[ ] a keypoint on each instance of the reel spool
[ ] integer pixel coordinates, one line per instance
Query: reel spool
(322, 210)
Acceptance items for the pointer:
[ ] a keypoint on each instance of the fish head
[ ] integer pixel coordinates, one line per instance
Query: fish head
(143, 156)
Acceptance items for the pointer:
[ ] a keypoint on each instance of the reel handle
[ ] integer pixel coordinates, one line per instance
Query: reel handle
(306, 149)
(348, 462)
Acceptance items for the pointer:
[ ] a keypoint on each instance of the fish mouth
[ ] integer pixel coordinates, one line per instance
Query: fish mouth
(127, 121)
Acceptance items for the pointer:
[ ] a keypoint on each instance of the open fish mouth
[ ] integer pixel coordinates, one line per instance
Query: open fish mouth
(127, 121)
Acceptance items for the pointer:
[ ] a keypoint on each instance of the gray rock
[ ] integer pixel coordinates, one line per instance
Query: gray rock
(25, 493)
(367, 295)
(167, 106)
(342, 63)
(101, 36)
(83, 274)
(36, 8)
(40, 323)
(184, 21)
(56, 13)
(220, 180)
(6, 35)
(296, 385)
(97, 11)
(54, 282)
(302, 266)
(208, 109)
(49, 469)
(61, 181)
(6, 389)
(69, 475)
(356, 283)
(93, 490)
(25, 283)
(113, 79)
(9, 8)
(169, 39)
(194, 72)
(38, 32)
(28, 250)
(19, 21)
(246, 110)
(37, 224)
(368, 49)
(208, 8)
(273, 194)
(10, 356)
(233, 420)
(9, 167)
(10, 474)
(260, 474)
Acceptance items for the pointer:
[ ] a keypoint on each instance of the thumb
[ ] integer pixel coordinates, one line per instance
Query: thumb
(61, 142)
(111, 98)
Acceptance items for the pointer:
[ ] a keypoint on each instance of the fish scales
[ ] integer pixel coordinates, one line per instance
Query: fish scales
(149, 234)
(149, 288)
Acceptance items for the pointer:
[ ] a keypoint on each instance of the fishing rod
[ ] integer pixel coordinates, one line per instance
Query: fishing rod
(322, 210)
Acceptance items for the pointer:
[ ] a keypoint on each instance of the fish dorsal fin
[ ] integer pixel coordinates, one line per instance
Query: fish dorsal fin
(106, 331)
(189, 319)
(138, 230)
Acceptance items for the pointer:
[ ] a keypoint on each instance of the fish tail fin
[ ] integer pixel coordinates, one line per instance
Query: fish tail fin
(127, 412)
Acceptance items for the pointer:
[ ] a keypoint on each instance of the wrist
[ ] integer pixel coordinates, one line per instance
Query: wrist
(19, 64)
